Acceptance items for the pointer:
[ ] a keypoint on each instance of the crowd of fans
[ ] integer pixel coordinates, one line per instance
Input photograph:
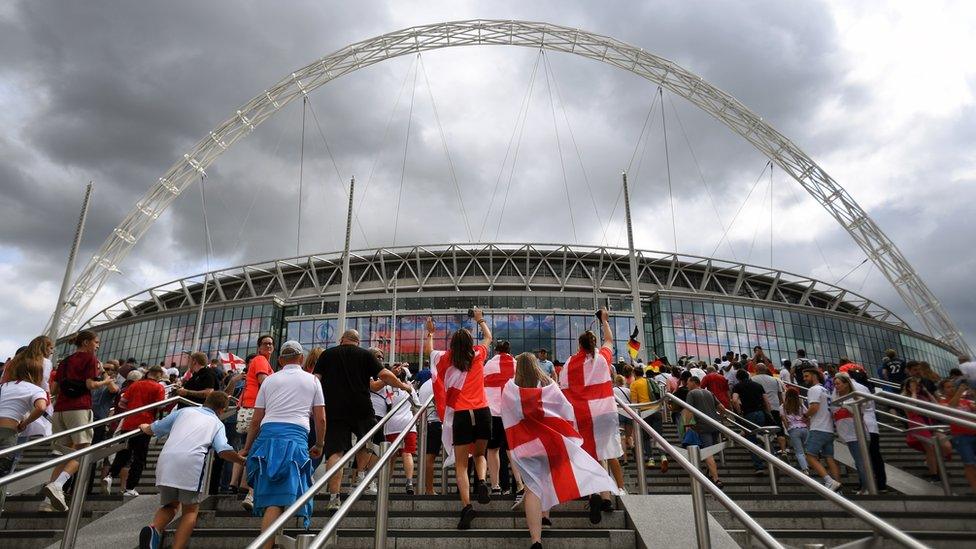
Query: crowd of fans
(316, 403)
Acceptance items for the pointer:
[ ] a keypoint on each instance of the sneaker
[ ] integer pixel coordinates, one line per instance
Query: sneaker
(832, 484)
(55, 495)
(130, 493)
(107, 485)
(409, 489)
(46, 507)
(651, 463)
(546, 522)
(518, 499)
(481, 489)
(467, 515)
(596, 503)
(664, 465)
(371, 489)
(536, 545)
(149, 538)
(333, 504)
(248, 502)
(606, 506)
(496, 491)
(862, 492)
(759, 472)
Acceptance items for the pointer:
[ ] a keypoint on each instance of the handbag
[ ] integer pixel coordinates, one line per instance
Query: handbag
(691, 438)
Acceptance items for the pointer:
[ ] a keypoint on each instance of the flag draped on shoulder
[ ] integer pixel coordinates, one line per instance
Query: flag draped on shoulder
(585, 380)
(546, 447)
(498, 371)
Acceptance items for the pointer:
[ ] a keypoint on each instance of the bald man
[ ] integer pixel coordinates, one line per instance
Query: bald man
(346, 371)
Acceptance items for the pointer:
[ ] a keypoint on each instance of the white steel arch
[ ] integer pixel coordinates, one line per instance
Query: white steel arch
(722, 106)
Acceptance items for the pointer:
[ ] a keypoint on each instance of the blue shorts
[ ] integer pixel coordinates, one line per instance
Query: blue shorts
(966, 446)
(820, 443)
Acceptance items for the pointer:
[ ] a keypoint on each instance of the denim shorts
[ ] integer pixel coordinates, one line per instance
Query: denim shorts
(708, 438)
(966, 446)
(820, 443)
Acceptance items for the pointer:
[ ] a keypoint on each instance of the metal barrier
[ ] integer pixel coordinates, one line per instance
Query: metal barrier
(699, 482)
(87, 457)
(857, 399)
(877, 524)
(381, 509)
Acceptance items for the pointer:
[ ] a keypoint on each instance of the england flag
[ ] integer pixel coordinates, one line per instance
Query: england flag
(585, 380)
(498, 371)
(230, 361)
(546, 447)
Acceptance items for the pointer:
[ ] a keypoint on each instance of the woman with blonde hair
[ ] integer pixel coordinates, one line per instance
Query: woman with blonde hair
(22, 401)
(546, 448)
(311, 359)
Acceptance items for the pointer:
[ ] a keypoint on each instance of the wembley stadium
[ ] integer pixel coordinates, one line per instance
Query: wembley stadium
(538, 296)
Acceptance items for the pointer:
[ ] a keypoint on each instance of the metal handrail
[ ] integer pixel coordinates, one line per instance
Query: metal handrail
(966, 416)
(96, 423)
(314, 489)
(755, 428)
(920, 407)
(701, 482)
(70, 534)
(879, 381)
(876, 523)
(382, 499)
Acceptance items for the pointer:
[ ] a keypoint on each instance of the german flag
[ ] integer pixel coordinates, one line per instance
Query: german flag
(633, 346)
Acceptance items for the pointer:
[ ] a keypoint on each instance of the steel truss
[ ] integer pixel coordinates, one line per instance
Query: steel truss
(485, 268)
(725, 108)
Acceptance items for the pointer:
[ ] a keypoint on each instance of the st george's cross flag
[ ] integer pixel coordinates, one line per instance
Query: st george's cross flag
(498, 371)
(230, 361)
(585, 380)
(547, 449)
(451, 387)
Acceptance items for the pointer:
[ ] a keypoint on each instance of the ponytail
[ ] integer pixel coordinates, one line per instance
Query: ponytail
(587, 342)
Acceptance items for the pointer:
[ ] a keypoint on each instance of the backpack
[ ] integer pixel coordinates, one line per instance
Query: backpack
(72, 388)
(654, 390)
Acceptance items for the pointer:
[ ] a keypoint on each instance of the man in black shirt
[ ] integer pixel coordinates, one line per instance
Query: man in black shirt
(345, 371)
(748, 398)
(202, 382)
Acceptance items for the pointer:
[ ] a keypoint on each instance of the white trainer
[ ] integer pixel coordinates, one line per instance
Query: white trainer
(55, 495)
(107, 485)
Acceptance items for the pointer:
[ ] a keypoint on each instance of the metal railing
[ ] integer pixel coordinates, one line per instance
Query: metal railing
(87, 457)
(382, 496)
(856, 400)
(699, 483)
(880, 526)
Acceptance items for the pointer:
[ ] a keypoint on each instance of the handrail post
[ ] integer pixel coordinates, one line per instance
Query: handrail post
(770, 468)
(382, 501)
(721, 453)
(698, 502)
(443, 480)
(422, 454)
(639, 458)
(862, 446)
(77, 502)
(940, 463)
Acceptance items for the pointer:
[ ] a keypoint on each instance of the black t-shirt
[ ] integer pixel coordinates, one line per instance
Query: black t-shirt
(896, 370)
(346, 371)
(205, 378)
(751, 395)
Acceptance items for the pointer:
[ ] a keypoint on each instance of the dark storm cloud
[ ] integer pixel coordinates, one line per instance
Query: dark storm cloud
(116, 92)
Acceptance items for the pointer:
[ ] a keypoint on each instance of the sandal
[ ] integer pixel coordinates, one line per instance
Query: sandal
(718, 483)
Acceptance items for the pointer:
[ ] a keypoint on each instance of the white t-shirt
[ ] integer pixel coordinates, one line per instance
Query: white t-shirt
(968, 370)
(772, 387)
(403, 416)
(822, 420)
(427, 389)
(623, 392)
(698, 372)
(380, 401)
(42, 426)
(17, 399)
(172, 372)
(192, 432)
(289, 395)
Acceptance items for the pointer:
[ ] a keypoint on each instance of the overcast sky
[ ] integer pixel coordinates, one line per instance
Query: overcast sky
(880, 94)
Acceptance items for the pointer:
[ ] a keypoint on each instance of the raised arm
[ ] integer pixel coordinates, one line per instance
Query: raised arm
(605, 328)
(479, 318)
(429, 336)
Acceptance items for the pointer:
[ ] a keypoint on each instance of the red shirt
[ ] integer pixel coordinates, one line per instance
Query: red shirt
(141, 393)
(258, 365)
(472, 393)
(718, 386)
(965, 406)
(78, 366)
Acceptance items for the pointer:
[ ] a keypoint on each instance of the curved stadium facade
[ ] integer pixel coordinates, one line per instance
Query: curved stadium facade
(537, 295)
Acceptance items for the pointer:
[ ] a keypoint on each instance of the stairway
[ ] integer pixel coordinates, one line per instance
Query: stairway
(796, 516)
